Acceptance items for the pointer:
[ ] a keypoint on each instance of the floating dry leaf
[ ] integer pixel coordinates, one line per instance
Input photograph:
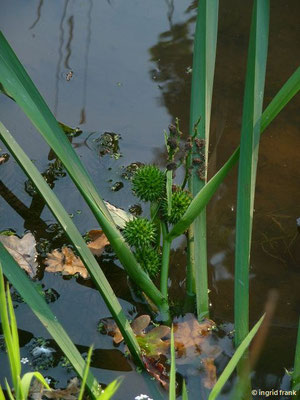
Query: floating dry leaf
(98, 241)
(119, 216)
(23, 251)
(37, 391)
(68, 263)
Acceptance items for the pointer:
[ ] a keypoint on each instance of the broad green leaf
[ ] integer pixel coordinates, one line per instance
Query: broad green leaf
(250, 135)
(223, 378)
(72, 232)
(204, 56)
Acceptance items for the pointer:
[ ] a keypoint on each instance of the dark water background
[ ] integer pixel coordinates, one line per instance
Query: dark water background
(131, 75)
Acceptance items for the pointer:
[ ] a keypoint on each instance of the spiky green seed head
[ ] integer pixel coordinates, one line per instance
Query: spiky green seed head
(139, 232)
(148, 183)
(150, 260)
(181, 199)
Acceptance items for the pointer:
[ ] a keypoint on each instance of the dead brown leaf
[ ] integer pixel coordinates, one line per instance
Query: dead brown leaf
(65, 262)
(37, 391)
(211, 373)
(68, 263)
(98, 241)
(23, 251)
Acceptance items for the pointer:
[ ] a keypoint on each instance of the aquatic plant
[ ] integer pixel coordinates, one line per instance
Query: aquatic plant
(139, 232)
(153, 185)
(148, 183)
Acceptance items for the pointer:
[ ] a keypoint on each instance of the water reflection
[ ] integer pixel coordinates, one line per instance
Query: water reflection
(39, 12)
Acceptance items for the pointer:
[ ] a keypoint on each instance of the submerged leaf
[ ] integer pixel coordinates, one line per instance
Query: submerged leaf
(23, 251)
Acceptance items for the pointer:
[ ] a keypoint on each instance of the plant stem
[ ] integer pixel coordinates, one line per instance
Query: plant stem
(296, 373)
(165, 261)
(201, 94)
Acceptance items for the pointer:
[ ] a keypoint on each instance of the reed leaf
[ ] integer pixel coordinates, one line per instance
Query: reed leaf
(223, 378)
(250, 135)
(296, 372)
(17, 84)
(184, 391)
(204, 56)
(72, 232)
(172, 386)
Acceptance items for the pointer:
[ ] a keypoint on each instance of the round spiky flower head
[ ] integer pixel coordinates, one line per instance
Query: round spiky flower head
(139, 232)
(148, 183)
(181, 199)
(149, 259)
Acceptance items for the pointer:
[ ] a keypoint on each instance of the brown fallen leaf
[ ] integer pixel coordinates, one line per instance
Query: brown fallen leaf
(65, 262)
(68, 263)
(98, 241)
(23, 251)
(37, 391)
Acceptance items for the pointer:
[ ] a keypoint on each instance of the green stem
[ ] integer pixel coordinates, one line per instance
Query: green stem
(165, 261)
(296, 373)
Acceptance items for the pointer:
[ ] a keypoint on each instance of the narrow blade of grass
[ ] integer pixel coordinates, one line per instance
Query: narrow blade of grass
(172, 388)
(14, 331)
(296, 373)
(169, 191)
(14, 362)
(41, 309)
(201, 97)
(285, 94)
(17, 83)
(234, 361)
(85, 373)
(72, 232)
(184, 391)
(111, 389)
(251, 122)
(26, 381)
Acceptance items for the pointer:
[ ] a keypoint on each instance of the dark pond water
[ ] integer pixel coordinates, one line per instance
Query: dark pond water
(131, 76)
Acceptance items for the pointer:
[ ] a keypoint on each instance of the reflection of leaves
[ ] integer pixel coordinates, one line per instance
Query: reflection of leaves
(68, 263)
(211, 373)
(23, 251)
(190, 335)
(37, 391)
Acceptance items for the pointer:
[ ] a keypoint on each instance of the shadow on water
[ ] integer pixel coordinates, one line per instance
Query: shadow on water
(139, 59)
